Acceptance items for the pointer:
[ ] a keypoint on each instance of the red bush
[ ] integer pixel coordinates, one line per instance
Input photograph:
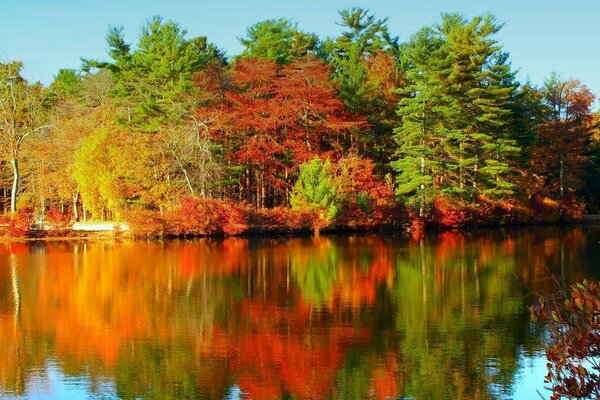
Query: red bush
(57, 218)
(280, 219)
(574, 324)
(19, 224)
(448, 214)
(571, 209)
(201, 217)
(145, 223)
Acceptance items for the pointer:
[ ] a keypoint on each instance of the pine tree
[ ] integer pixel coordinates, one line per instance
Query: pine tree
(454, 137)
(315, 190)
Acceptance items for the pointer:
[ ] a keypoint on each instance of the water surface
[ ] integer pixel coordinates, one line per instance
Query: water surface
(336, 317)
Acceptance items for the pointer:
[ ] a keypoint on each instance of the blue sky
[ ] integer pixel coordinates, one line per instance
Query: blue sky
(541, 36)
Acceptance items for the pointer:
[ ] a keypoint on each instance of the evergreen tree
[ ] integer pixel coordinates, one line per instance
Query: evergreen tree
(278, 40)
(316, 190)
(154, 81)
(454, 137)
(364, 62)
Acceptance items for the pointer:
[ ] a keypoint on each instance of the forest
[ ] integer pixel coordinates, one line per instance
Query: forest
(298, 132)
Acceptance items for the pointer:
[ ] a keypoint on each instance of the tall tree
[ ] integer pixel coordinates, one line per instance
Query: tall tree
(365, 70)
(564, 139)
(154, 80)
(274, 118)
(22, 115)
(278, 40)
(154, 88)
(454, 136)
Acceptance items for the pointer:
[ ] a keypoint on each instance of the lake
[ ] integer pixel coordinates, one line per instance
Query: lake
(344, 317)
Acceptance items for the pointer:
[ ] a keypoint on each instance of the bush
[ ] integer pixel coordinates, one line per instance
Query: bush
(368, 202)
(145, 223)
(203, 217)
(571, 209)
(57, 219)
(19, 224)
(449, 214)
(280, 220)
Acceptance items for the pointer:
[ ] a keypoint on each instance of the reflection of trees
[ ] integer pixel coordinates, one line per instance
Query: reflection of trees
(315, 268)
(458, 317)
(346, 317)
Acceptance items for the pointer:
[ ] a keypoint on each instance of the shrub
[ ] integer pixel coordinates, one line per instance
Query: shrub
(204, 216)
(145, 223)
(57, 218)
(19, 224)
(280, 220)
(571, 209)
(449, 214)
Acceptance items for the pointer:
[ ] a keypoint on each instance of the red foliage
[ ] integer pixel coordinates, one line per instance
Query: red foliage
(57, 218)
(272, 118)
(19, 224)
(571, 209)
(203, 216)
(369, 202)
(280, 219)
(561, 151)
(575, 333)
(449, 214)
(146, 223)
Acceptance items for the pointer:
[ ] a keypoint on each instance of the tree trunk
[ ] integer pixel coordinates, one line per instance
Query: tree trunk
(75, 210)
(15, 185)
(562, 176)
(422, 206)
(316, 230)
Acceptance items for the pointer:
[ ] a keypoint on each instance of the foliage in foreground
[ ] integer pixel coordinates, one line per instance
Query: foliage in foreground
(574, 352)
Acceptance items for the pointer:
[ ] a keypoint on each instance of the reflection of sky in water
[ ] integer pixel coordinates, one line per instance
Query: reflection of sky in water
(52, 383)
(530, 378)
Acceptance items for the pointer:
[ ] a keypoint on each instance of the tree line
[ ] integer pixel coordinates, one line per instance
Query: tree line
(354, 130)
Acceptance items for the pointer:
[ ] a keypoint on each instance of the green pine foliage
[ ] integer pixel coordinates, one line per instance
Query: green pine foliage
(455, 136)
(154, 81)
(316, 190)
(278, 40)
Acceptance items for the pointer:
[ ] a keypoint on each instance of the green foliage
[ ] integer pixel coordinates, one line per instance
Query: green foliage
(316, 190)
(455, 137)
(154, 81)
(66, 83)
(278, 40)
(363, 37)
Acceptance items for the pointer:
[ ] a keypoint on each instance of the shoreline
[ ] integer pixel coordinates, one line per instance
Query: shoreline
(105, 235)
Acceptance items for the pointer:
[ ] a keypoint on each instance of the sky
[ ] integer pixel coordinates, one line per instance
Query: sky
(541, 36)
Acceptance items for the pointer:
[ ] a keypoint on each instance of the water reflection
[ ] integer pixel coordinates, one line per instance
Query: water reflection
(349, 317)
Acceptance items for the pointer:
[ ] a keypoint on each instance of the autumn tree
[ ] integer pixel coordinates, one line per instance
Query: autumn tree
(22, 115)
(564, 138)
(156, 96)
(573, 322)
(274, 118)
